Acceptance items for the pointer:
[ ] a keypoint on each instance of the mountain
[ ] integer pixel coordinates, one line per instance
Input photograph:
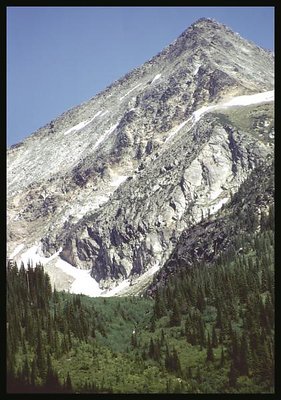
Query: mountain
(106, 194)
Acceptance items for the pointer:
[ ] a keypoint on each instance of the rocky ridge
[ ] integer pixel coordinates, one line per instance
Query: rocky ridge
(110, 185)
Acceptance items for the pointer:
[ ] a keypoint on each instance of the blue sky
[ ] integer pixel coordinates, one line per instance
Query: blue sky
(59, 57)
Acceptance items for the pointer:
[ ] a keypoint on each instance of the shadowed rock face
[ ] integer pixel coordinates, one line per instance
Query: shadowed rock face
(116, 180)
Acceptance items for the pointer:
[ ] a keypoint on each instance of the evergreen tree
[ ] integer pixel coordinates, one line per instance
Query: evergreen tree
(243, 356)
(210, 354)
(175, 319)
(222, 360)
(68, 384)
(232, 376)
(159, 306)
(214, 338)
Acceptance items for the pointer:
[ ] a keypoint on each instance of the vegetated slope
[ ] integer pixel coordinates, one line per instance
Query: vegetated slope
(209, 330)
(110, 185)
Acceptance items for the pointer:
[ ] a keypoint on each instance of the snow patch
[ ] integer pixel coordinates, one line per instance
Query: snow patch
(175, 130)
(116, 181)
(217, 206)
(196, 69)
(83, 283)
(125, 287)
(105, 135)
(32, 256)
(77, 127)
(96, 115)
(121, 98)
(249, 99)
(215, 194)
(201, 111)
(82, 124)
(105, 112)
(236, 101)
(115, 291)
(17, 250)
(155, 78)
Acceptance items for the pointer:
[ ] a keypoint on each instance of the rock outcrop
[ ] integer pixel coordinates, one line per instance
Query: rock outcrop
(111, 185)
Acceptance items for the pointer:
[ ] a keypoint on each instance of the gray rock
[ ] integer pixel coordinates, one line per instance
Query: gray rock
(116, 180)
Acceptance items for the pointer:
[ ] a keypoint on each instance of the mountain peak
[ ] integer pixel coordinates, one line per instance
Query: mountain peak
(205, 20)
(110, 185)
(203, 24)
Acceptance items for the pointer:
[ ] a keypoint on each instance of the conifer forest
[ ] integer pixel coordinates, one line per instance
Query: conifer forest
(208, 330)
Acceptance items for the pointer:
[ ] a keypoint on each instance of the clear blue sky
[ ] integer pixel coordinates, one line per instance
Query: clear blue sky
(59, 57)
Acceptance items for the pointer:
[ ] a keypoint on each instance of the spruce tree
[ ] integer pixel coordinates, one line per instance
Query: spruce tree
(232, 376)
(214, 338)
(243, 356)
(175, 319)
(210, 354)
(222, 360)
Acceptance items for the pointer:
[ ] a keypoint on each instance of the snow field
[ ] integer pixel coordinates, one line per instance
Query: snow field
(235, 101)
(155, 78)
(17, 250)
(82, 124)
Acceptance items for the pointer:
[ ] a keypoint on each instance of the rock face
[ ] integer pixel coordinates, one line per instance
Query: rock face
(212, 237)
(111, 185)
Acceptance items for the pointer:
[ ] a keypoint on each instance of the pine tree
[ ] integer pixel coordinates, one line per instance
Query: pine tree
(159, 306)
(34, 372)
(222, 360)
(68, 384)
(151, 350)
(214, 338)
(210, 354)
(52, 383)
(219, 318)
(134, 340)
(198, 375)
(175, 319)
(201, 332)
(243, 356)
(232, 376)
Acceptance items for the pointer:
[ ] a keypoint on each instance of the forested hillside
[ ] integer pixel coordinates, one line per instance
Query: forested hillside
(208, 330)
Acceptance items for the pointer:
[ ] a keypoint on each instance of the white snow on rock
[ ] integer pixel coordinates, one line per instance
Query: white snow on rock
(155, 78)
(117, 180)
(77, 127)
(175, 130)
(96, 115)
(139, 84)
(83, 283)
(31, 255)
(125, 287)
(236, 101)
(82, 124)
(17, 250)
(218, 206)
(249, 99)
(105, 135)
(196, 69)
(116, 290)
(105, 112)
(201, 111)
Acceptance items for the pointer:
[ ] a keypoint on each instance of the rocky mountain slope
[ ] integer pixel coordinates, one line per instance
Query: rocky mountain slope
(102, 194)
